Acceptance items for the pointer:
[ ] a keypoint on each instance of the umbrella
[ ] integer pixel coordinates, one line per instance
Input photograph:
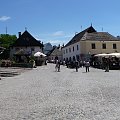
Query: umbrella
(115, 55)
(38, 54)
(102, 55)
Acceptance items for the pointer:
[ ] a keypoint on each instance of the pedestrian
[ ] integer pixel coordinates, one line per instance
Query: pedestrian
(81, 63)
(76, 65)
(106, 65)
(63, 62)
(58, 66)
(87, 65)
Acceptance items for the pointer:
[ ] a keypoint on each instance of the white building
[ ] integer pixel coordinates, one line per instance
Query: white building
(90, 42)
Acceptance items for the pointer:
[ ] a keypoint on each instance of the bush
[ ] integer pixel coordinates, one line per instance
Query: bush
(6, 63)
(25, 65)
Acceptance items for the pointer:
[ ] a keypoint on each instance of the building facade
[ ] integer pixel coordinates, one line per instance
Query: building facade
(26, 45)
(90, 42)
(55, 54)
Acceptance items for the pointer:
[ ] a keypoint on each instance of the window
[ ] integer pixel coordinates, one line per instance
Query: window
(73, 48)
(114, 46)
(77, 57)
(104, 46)
(73, 58)
(66, 51)
(66, 59)
(93, 46)
(77, 47)
(69, 49)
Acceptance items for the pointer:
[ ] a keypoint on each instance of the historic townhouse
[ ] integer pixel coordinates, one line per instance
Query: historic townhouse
(25, 45)
(90, 42)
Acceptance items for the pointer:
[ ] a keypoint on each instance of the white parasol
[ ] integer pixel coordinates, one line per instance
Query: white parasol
(38, 54)
(115, 55)
(102, 55)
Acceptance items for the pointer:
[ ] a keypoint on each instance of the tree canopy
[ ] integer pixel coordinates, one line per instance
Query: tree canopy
(6, 40)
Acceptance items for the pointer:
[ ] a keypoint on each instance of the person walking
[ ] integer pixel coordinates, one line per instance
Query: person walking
(87, 65)
(106, 63)
(76, 65)
(58, 66)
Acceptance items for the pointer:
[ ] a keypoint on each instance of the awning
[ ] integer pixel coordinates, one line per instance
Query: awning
(115, 55)
(101, 55)
(108, 55)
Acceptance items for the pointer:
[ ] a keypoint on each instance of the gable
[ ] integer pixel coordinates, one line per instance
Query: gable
(26, 39)
(78, 36)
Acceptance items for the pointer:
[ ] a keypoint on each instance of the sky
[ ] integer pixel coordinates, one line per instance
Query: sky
(57, 21)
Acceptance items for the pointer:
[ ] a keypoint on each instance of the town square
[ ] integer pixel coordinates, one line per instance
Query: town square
(59, 60)
(43, 94)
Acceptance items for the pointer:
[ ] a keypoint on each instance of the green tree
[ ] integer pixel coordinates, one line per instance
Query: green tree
(6, 41)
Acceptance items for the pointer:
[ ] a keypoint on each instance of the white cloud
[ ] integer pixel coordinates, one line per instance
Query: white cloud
(54, 41)
(57, 42)
(57, 38)
(58, 33)
(4, 18)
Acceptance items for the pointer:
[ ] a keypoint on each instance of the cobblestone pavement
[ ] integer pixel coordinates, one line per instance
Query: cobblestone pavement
(43, 94)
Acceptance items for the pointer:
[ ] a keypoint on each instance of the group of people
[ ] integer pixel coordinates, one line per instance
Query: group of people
(86, 65)
(76, 65)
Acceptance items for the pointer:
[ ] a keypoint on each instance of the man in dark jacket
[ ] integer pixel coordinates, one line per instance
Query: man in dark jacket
(87, 65)
(76, 65)
(106, 63)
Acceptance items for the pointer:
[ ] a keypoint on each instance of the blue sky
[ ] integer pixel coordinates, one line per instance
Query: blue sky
(56, 21)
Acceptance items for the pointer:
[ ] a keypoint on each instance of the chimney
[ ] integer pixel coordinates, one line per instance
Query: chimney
(19, 34)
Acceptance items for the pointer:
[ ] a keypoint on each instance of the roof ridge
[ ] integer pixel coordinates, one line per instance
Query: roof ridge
(78, 36)
(26, 39)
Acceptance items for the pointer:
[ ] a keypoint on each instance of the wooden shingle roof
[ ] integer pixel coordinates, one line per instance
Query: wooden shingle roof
(99, 36)
(91, 34)
(26, 39)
